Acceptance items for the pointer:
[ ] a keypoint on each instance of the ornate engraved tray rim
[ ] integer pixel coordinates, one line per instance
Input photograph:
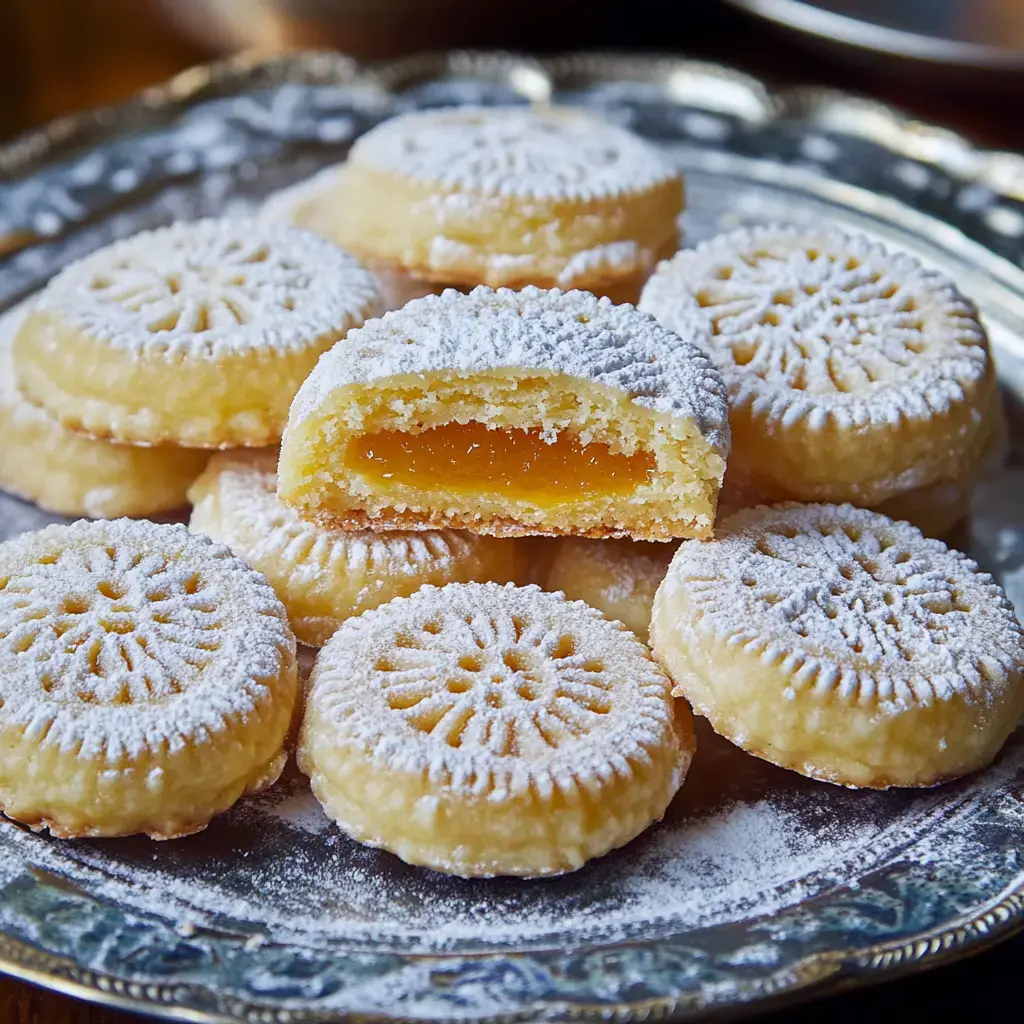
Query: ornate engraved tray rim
(989, 236)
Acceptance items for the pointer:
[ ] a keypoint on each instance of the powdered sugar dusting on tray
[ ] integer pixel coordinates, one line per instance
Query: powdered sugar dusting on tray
(718, 857)
(300, 810)
(571, 333)
(511, 151)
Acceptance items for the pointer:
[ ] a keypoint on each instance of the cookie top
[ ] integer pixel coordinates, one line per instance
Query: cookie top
(514, 151)
(847, 601)
(553, 332)
(492, 690)
(817, 326)
(123, 636)
(214, 287)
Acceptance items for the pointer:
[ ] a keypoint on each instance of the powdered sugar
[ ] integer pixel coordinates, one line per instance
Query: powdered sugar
(322, 575)
(300, 811)
(214, 286)
(742, 840)
(253, 517)
(612, 258)
(845, 600)
(618, 257)
(493, 690)
(570, 333)
(819, 326)
(125, 636)
(551, 154)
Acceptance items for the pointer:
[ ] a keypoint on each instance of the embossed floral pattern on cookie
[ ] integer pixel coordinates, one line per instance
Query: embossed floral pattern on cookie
(842, 644)
(481, 729)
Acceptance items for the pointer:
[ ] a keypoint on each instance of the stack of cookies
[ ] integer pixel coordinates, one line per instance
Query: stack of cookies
(137, 361)
(389, 485)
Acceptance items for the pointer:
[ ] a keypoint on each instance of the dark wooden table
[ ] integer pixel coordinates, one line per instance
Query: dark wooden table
(56, 55)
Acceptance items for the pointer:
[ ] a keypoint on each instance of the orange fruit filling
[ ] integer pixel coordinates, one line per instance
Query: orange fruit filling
(468, 458)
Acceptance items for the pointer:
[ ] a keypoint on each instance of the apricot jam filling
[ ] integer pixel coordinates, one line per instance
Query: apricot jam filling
(467, 458)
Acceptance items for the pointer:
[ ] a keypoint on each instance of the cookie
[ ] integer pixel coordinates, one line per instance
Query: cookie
(486, 730)
(64, 472)
(843, 645)
(510, 413)
(147, 680)
(326, 576)
(196, 335)
(618, 577)
(501, 196)
(854, 373)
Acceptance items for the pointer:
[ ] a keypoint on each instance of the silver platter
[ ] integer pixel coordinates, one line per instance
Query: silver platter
(760, 884)
(986, 34)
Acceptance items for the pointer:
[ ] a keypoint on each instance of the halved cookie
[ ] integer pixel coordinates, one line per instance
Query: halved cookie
(510, 413)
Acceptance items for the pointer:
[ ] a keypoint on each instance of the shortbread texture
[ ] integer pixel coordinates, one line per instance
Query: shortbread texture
(196, 335)
(939, 509)
(854, 373)
(326, 576)
(486, 730)
(499, 196)
(72, 475)
(618, 577)
(147, 680)
(842, 644)
(510, 413)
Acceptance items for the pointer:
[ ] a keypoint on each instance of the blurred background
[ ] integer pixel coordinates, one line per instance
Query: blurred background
(959, 62)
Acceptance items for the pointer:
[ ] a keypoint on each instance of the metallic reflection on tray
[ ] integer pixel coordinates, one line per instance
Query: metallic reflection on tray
(970, 33)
